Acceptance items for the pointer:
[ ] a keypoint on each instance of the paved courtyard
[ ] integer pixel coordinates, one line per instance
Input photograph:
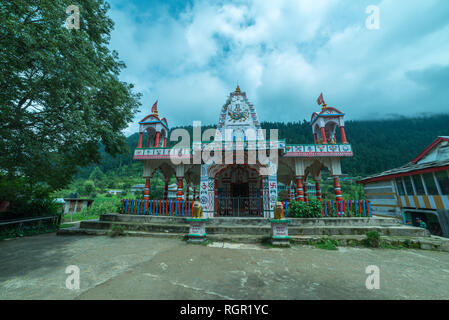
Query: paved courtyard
(157, 268)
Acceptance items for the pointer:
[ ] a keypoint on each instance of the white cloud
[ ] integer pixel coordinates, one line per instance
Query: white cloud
(283, 53)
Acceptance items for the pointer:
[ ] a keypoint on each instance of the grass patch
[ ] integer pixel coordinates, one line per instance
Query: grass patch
(266, 242)
(66, 225)
(409, 244)
(116, 231)
(387, 245)
(79, 216)
(372, 239)
(327, 244)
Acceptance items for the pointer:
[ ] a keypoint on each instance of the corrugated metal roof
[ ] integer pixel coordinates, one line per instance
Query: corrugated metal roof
(409, 167)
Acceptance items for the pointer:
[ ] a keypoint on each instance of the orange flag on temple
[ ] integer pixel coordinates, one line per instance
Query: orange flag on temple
(320, 99)
(154, 108)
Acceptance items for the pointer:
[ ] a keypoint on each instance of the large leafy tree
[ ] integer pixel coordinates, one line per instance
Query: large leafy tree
(60, 93)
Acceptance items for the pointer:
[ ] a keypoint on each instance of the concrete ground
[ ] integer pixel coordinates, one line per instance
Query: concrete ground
(159, 268)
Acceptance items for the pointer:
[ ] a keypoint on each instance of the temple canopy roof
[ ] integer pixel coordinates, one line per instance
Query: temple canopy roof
(238, 117)
(153, 117)
(326, 112)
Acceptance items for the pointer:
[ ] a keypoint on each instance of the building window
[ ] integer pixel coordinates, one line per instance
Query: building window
(400, 186)
(408, 186)
(443, 181)
(418, 185)
(430, 183)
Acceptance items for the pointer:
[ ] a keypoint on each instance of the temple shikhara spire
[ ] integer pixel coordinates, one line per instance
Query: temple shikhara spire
(237, 90)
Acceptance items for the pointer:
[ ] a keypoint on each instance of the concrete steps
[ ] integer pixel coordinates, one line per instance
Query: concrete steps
(254, 221)
(263, 230)
(248, 226)
(425, 243)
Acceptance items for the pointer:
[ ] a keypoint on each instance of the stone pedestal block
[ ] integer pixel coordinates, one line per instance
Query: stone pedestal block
(197, 230)
(279, 232)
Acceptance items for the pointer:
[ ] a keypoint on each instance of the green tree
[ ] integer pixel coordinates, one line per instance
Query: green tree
(60, 93)
(99, 178)
(97, 175)
(89, 188)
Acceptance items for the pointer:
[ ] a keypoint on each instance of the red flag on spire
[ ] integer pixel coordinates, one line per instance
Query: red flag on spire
(320, 99)
(154, 108)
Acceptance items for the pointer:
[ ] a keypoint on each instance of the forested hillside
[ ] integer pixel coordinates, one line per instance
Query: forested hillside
(378, 145)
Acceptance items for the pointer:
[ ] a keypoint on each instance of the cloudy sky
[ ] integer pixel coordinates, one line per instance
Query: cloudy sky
(190, 54)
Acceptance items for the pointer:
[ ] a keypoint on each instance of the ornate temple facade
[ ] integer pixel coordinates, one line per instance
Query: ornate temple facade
(237, 172)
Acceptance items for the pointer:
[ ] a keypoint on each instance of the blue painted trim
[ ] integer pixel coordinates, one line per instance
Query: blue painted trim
(325, 208)
(364, 208)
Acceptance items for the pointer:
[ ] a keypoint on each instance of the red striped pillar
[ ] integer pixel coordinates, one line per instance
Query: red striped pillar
(337, 189)
(306, 194)
(140, 140)
(179, 192)
(323, 136)
(188, 191)
(166, 190)
(318, 190)
(146, 191)
(165, 142)
(299, 196)
(343, 135)
(156, 141)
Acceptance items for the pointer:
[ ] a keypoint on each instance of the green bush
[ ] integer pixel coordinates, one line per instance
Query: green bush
(372, 239)
(28, 229)
(98, 208)
(116, 231)
(311, 209)
(26, 199)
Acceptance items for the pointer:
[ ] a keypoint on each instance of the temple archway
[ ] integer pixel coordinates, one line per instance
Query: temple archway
(238, 191)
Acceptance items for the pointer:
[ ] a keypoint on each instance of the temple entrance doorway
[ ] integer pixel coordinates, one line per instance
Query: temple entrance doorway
(238, 192)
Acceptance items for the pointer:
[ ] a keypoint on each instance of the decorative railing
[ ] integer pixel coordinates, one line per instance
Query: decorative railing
(239, 145)
(343, 208)
(162, 153)
(157, 207)
(314, 150)
(303, 150)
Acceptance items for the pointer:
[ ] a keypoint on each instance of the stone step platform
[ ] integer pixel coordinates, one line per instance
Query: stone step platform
(374, 221)
(425, 243)
(252, 226)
